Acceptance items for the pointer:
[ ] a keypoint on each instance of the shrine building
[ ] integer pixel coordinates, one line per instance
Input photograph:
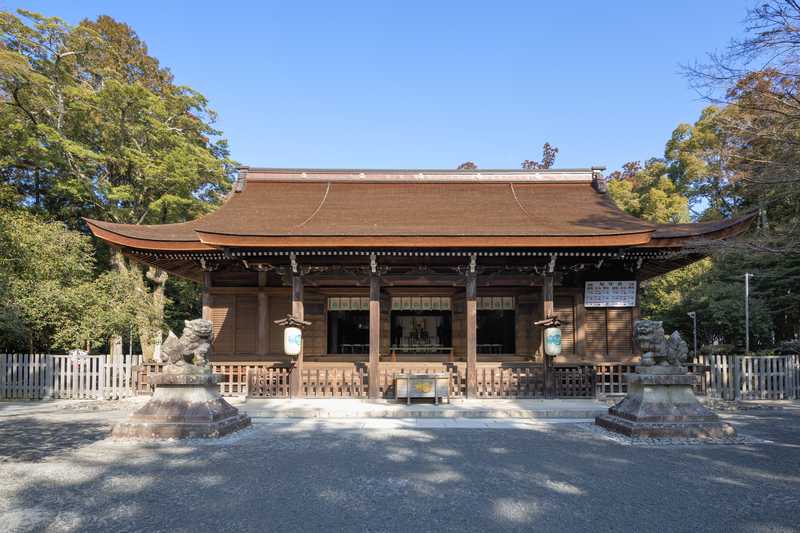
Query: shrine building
(400, 270)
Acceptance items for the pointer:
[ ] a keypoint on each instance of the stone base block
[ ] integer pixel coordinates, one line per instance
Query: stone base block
(179, 430)
(684, 430)
(660, 404)
(189, 408)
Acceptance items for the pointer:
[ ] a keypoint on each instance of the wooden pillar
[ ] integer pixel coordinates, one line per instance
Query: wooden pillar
(374, 334)
(547, 296)
(296, 380)
(547, 311)
(472, 335)
(263, 315)
(635, 315)
(206, 295)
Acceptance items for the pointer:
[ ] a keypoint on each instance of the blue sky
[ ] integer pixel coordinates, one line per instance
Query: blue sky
(432, 84)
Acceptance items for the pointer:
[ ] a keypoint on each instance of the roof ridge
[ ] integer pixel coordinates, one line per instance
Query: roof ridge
(419, 177)
(417, 170)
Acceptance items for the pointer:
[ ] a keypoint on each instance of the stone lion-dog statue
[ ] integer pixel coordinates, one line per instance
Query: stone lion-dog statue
(191, 349)
(657, 348)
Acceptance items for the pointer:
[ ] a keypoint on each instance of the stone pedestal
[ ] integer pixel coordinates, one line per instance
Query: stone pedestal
(661, 404)
(184, 405)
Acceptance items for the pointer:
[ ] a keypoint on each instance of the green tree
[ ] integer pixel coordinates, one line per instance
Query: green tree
(95, 126)
(51, 295)
(700, 157)
(99, 129)
(713, 288)
(754, 85)
(549, 154)
(648, 192)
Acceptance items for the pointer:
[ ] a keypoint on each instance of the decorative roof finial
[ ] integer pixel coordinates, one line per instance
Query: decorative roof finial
(598, 181)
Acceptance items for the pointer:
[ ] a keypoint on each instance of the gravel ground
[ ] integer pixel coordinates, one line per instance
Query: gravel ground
(60, 473)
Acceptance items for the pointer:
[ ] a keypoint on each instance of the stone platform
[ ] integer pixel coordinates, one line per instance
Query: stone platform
(348, 408)
(183, 406)
(661, 404)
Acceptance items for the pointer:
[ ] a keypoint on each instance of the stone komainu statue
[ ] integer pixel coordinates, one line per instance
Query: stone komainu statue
(656, 348)
(192, 348)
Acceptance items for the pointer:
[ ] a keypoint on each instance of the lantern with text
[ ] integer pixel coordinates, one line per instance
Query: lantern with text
(292, 334)
(552, 335)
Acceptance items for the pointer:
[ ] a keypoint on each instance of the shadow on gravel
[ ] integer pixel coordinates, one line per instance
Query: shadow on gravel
(301, 477)
(28, 439)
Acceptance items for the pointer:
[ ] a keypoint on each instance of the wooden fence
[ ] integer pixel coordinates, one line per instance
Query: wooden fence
(38, 376)
(751, 377)
(334, 380)
(610, 378)
(269, 381)
(574, 381)
(233, 381)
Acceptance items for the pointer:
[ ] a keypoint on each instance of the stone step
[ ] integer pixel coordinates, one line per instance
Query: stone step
(490, 409)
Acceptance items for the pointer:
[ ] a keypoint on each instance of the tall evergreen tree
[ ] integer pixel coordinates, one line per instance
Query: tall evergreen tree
(95, 126)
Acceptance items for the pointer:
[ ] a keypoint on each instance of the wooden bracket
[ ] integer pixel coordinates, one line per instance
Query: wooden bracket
(292, 321)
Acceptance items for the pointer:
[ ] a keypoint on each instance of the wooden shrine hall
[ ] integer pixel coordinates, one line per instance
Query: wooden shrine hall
(407, 270)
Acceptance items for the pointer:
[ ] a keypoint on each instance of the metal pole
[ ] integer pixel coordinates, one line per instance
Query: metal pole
(747, 313)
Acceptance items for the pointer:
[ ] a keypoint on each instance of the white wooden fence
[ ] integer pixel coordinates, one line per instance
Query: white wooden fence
(40, 376)
(752, 377)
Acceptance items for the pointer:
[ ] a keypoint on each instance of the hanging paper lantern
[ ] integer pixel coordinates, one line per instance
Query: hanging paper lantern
(552, 341)
(292, 341)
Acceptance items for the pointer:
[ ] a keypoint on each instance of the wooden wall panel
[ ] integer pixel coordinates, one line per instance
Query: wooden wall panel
(246, 323)
(223, 321)
(595, 329)
(564, 307)
(620, 333)
(524, 329)
(315, 338)
(580, 328)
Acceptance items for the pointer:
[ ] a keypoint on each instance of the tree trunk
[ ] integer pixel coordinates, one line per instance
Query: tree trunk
(151, 314)
(149, 338)
(115, 347)
(159, 279)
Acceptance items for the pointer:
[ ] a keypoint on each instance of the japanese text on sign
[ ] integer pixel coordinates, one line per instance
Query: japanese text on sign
(610, 294)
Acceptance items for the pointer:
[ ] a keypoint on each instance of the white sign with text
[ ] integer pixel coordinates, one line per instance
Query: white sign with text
(610, 294)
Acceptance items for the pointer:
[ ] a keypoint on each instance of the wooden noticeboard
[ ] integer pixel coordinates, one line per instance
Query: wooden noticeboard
(610, 294)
